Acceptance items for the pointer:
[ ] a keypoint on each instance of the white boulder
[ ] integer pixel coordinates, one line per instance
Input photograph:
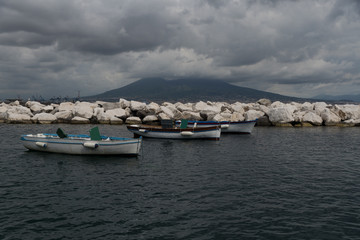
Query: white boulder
(329, 117)
(202, 106)
(3, 117)
(171, 107)
(277, 104)
(152, 108)
(352, 122)
(20, 110)
(113, 116)
(80, 120)
(3, 109)
(118, 112)
(150, 119)
(116, 121)
(312, 118)
(101, 116)
(319, 107)
(306, 106)
(15, 103)
(133, 120)
(264, 102)
(109, 105)
(236, 117)
(14, 117)
(48, 108)
(124, 103)
(137, 106)
(167, 104)
(217, 117)
(253, 114)
(298, 116)
(191, 115)
(184, 107)
(226, 116)
(84, 109)
(64, 116)
(66, 106)
(167, 111)
(281, 115)
(264, 109)
(163, 116)
(348, 111)
(35, 106)
(238, 107)
(44, 118)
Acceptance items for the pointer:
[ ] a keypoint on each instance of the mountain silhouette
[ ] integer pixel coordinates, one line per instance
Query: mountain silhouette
(186, 90)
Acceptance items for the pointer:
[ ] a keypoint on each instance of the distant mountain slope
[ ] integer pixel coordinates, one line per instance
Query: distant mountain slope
(340, 98)
(186, 90)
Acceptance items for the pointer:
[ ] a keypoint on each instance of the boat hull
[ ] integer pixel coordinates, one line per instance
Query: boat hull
(241, 127)
(211, 133)
(82, 145)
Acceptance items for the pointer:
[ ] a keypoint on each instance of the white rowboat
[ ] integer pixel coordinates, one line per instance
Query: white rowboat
(211, 133)
(82, 144)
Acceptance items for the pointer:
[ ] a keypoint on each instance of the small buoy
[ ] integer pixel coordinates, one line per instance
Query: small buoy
(41, 144)
(91, 144)
(187, 133)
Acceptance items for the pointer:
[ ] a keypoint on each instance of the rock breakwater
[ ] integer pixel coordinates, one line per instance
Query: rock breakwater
(133, 112)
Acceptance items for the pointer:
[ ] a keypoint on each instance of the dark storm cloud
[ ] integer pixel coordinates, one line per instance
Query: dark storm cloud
(278, 45)
(73, 27)
(46, 19)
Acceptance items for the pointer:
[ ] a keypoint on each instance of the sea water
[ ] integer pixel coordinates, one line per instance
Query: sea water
(276, 183)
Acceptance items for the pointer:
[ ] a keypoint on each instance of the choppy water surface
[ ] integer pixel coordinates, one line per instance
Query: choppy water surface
(277, 183)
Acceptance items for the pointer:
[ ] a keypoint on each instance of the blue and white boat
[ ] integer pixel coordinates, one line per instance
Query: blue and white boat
(242, 127)
(82, 144)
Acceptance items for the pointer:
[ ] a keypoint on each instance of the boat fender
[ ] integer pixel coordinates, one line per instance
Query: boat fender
(143, 130)
(225, 126)
(41, 144)
(187, 133)
(91, 144)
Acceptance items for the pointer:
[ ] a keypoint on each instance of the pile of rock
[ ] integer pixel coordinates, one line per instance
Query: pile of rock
(133, 112)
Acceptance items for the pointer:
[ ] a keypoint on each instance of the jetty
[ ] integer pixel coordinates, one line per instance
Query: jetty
(124, 111)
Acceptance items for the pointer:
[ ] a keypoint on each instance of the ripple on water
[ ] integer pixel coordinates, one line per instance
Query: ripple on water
(273, 184)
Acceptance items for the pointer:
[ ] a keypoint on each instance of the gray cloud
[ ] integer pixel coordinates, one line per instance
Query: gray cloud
(300, 48)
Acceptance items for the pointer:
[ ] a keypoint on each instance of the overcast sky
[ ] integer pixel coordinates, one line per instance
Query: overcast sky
(298, 48)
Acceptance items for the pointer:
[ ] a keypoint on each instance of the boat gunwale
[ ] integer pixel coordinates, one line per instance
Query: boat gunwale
(192, 122)
(80, 141)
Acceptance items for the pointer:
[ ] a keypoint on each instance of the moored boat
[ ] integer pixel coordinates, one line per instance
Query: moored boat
(242, 127)
(182, 132)
(95, 144)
